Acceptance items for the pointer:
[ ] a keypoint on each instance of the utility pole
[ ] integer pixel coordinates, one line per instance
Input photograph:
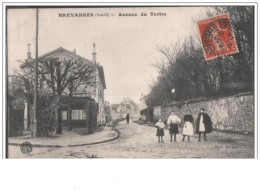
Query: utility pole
(36, 77)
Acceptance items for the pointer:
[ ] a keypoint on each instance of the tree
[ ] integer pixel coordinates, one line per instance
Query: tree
(60, 77)
(242, 20)
(15, 103)
(184, 68)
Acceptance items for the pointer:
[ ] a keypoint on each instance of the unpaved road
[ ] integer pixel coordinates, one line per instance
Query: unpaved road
(138, 141)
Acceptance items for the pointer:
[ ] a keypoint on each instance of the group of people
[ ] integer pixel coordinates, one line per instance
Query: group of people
(203, 126)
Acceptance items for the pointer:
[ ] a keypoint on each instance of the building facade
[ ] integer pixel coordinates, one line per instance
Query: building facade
(94, 91)
(118, 111)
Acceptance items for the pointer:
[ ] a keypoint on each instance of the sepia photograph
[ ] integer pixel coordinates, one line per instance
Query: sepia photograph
(136, 82)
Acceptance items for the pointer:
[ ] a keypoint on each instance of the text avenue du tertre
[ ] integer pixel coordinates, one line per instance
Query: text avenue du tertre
(111, 14)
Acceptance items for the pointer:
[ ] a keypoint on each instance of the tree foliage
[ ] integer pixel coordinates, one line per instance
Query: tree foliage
(56, 78)
(184, 68)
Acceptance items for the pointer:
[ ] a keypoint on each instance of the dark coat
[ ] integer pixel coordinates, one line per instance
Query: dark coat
(207, 123)
(188, 118)
(127, 117)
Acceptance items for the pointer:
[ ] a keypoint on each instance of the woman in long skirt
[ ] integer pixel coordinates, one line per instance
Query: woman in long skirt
(160, 130)
(188, 126)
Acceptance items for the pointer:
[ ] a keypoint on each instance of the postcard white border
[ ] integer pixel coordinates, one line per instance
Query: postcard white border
(131, 175)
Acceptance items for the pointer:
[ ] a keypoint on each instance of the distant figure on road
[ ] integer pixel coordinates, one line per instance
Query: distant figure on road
(188, 126)
(173, 122)
(127, 118)
(203, 124)
(160, 130)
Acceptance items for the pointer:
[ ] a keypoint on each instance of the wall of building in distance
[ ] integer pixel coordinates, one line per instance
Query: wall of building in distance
(235, 113)
(99, 98)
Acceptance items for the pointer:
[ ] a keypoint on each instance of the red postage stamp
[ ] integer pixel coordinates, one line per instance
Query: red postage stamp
(217, 36)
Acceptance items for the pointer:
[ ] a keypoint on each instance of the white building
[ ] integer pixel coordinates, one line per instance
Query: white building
(96, 91)
(142, 103)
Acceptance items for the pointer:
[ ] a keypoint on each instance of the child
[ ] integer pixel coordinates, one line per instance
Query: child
(160, 130)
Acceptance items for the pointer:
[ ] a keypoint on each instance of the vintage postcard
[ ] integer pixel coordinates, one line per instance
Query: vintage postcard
(130, 82)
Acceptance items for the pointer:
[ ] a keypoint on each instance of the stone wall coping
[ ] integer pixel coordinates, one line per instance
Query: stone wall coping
(206, 99)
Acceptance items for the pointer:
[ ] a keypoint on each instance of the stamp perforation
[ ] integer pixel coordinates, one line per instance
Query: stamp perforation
(211, 20)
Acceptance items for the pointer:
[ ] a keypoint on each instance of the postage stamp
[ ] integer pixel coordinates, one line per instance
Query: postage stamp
(217, 36)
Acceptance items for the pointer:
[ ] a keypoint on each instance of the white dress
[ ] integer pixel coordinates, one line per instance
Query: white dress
(188, 129)
(202, 126)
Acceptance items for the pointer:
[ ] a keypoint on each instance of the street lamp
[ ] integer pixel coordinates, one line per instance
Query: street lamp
(173, 92)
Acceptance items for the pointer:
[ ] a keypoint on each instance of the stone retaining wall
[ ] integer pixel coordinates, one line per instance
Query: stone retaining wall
(235, 113)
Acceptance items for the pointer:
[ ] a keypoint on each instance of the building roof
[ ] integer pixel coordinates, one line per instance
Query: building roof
(63, 50)
(76, 56)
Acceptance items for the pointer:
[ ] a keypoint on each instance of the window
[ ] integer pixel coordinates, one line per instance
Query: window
(78, 114)
(64, 115)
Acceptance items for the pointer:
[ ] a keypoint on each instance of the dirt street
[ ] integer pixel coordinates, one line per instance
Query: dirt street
(138, 141)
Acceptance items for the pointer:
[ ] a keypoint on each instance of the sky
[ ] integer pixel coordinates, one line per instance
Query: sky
(126, 46)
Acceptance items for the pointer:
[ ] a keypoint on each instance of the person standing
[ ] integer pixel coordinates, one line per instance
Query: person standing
(173, 122)
(127, 118)
(188, 126)
(203, 125)
(160, 130)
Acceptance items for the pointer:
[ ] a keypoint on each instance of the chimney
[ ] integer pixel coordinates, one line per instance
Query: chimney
(29, 52)
(94, 53)
(74, 51)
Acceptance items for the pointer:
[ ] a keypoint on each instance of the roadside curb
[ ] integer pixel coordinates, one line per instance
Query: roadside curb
(39, 145)
(76, 145)
(116, 137)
